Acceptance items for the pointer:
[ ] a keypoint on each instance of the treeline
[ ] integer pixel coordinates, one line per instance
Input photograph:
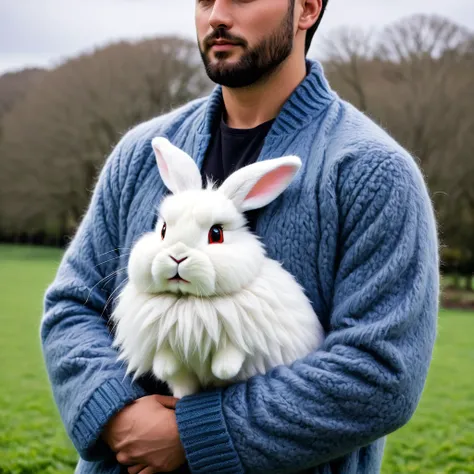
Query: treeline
(414, 77)
(57, 135)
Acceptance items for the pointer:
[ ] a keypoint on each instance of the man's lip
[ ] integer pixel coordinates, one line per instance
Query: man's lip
(223, 42)
(223, 45)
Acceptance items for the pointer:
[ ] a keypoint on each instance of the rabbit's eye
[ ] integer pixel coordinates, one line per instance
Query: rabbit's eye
(216, 235)
(163, 231)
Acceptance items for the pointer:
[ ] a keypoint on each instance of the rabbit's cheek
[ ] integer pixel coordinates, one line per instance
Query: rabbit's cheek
(163, 268)
(141, 260)
(139, 271)
(201, 274)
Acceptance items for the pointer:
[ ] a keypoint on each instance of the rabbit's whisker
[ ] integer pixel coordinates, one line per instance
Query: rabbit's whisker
(103, 279)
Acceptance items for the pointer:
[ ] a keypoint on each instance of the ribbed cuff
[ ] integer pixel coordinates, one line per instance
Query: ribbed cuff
(105, 402)
(203, 433)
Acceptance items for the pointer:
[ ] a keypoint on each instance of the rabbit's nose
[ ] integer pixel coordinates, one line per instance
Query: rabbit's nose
(178, 261)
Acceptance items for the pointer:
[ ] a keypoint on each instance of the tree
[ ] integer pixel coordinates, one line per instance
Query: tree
(415, 78)
(59, 136)
(349, 57)
(14, 85)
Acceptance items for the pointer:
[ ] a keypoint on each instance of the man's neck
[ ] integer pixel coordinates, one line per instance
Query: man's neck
(248, 107)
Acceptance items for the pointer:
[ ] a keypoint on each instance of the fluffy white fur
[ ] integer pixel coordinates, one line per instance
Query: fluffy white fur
(234, 312)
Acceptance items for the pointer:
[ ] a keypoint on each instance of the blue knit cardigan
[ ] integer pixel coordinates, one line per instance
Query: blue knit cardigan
(357, 230)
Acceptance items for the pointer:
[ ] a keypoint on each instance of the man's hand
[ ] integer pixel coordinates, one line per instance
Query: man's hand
(145, 433)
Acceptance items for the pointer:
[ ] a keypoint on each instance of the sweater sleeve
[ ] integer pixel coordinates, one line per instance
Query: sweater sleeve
(88, 383)
(367, 379)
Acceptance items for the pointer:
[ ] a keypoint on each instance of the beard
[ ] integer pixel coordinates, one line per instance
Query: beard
(256, 63)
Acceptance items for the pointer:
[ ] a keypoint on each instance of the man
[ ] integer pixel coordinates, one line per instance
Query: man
(357, 230)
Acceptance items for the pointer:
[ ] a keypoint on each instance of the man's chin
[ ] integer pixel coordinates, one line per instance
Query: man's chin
(229, 72)
(224, 63)
(222, 70)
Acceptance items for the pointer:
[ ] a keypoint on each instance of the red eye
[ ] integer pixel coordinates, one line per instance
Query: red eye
(163, 231)
(216, 235)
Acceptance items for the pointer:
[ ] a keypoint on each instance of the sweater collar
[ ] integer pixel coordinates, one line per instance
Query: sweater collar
(308, 100)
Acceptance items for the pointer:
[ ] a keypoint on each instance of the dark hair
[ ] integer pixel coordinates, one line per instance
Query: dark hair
(312, 30)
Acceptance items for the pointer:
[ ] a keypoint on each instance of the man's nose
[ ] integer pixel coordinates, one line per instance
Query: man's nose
(221, 15)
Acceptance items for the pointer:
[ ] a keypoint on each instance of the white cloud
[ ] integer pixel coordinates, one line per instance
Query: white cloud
(34, 32)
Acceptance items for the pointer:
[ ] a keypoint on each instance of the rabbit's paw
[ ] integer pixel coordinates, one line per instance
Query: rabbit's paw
(165, 364)
(183, 383)
(227, 362)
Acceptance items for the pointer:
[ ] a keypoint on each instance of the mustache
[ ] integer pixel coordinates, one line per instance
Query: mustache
(222, 34)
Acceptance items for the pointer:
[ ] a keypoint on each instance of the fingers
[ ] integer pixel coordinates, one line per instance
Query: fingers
(138, 468)
(148, 470)
(168, 402)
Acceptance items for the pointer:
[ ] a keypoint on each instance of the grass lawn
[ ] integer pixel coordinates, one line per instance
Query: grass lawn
(32, 439)
(439, 438)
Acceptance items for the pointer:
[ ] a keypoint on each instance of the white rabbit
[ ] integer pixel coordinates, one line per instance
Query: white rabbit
(204, 305)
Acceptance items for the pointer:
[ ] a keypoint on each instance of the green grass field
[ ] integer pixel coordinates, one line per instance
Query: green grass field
(32, 439)
(439, 438)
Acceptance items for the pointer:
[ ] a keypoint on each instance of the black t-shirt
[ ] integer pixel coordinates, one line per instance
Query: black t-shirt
(231, 149)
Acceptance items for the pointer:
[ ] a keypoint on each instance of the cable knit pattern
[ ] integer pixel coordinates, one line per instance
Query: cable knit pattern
(357, 230)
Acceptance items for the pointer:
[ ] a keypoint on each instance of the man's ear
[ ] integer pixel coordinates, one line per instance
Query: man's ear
(311, 11)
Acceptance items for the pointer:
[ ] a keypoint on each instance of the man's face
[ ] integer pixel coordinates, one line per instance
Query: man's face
(242, 41)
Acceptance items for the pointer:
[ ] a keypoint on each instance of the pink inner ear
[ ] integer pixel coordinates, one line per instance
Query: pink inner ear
(270, 182)
(163, 166)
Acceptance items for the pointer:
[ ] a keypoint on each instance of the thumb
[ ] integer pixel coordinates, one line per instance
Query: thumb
(166, 401)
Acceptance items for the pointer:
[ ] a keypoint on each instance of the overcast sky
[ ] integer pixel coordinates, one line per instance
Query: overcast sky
(44, 32)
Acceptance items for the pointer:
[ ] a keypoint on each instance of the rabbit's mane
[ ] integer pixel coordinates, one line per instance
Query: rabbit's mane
(196, 327)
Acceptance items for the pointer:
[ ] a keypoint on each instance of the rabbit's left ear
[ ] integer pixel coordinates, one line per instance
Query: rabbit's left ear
(177, 169)
(258, 184)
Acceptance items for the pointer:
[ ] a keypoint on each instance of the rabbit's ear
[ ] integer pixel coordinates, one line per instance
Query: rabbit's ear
(257, 185)
(177, 169)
